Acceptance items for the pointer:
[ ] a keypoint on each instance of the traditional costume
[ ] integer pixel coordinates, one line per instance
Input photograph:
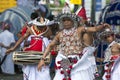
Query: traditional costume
(72, 63)
(37, 43)
(112, 63)
(81, 12)
(112, 68)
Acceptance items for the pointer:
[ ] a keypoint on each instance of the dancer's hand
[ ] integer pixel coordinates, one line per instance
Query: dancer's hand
(1, 44)
(40, 64)
(106, 25)
(9, 50)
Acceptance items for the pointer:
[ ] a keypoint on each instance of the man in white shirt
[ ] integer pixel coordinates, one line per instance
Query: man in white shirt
(7, 40)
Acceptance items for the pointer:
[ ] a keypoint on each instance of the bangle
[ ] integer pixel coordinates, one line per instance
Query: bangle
(104, 25)
(85, 28)
(43, 59)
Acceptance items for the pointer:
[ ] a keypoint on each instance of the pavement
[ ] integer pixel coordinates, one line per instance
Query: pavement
(18, 77)
(11, 77)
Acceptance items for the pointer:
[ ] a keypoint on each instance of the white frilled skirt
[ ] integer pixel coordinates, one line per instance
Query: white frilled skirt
(82, 70)
(30, 72)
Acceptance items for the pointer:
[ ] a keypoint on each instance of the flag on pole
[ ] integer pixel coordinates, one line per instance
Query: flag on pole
(81, 12)
(76, 1)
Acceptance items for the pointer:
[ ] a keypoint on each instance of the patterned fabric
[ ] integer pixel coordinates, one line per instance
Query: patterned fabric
(66, 65)
(111, 13)
(38, 32)
(81, 69)
(70, 42)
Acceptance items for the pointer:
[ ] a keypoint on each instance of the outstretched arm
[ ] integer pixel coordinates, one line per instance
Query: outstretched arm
(18, 42)
(95, 28)
(118, 45)
(54, 42)
(99, 27)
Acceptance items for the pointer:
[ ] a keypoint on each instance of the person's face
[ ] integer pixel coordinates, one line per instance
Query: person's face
(109, 38)
(42, 28)
(67, 23)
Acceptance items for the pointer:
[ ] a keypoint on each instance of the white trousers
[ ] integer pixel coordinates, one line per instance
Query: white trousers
(30, 72)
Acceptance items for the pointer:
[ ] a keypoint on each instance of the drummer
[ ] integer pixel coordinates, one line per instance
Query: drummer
(112, 54)
(38, 42)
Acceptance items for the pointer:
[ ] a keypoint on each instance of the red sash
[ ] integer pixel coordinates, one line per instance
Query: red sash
(24, 29)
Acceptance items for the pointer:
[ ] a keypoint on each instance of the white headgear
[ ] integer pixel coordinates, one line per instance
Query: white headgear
(37, 23)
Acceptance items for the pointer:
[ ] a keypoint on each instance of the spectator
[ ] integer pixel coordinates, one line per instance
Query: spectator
(6, 41)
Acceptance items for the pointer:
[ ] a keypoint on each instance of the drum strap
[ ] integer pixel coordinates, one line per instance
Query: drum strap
(3, 59)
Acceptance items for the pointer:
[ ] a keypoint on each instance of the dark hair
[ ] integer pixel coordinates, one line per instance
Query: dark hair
(7, 26)
(66, 18)
(34, 15)
(106, 36)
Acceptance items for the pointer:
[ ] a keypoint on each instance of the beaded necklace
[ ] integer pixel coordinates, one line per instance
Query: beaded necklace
(38, 32)
(69, 32)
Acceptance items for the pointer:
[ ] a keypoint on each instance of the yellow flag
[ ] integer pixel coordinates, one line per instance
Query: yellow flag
(76, 1)
(5, 4)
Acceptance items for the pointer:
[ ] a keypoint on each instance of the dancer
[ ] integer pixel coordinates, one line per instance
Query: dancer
(112, 55)
(72, 59)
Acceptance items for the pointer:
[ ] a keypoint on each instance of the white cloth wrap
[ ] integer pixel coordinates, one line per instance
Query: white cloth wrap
(115, 71)
(82, 70)
(30, 72)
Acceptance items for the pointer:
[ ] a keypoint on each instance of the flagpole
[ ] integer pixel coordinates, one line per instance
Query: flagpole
(82, 3)
(93, 11)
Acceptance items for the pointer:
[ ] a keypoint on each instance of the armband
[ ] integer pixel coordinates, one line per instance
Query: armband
(85, 28)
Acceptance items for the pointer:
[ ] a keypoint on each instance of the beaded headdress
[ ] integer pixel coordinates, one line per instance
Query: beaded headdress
(76, 19)
(104, 33)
